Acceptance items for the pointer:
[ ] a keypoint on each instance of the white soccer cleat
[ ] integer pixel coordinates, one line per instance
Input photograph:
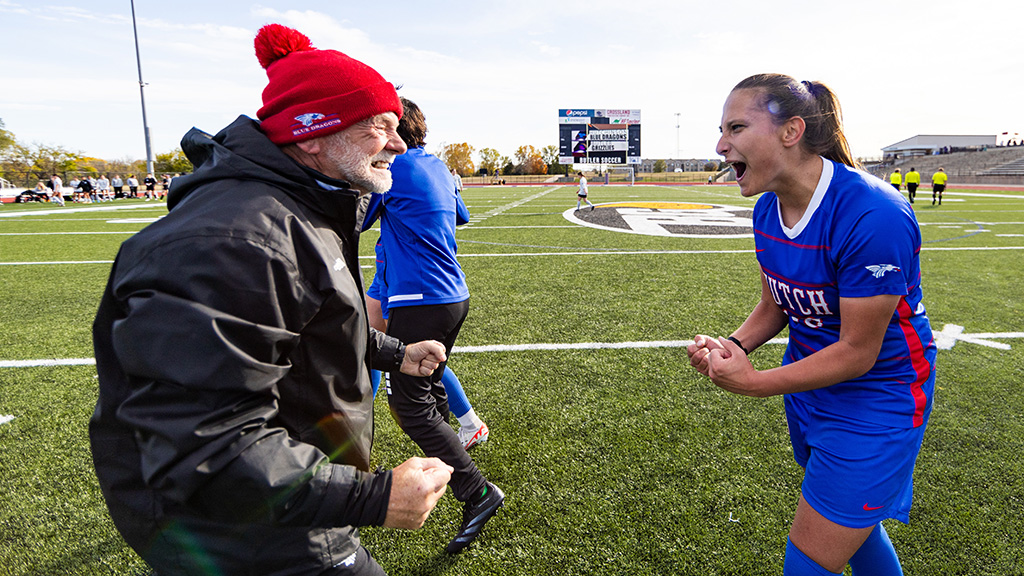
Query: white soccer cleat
(471, 437)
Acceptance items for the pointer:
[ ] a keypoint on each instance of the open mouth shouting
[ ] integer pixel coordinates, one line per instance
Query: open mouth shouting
(740, 168)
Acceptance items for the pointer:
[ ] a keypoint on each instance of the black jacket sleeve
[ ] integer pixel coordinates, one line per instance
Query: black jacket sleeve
(386, 352)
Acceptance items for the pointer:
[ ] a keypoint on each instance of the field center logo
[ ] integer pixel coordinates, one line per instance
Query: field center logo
(678, 219)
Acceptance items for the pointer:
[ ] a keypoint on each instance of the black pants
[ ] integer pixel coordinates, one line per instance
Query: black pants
(912, 191)
(362, 565)
(420, 404)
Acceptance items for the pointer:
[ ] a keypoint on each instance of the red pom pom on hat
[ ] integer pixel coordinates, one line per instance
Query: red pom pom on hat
(274, 42)
(313, 93)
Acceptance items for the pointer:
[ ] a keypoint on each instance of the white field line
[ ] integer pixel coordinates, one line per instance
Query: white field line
(585, 346)
(495, 211)
(47, 362)
(945, 339)
(76, 210)
(982, 195)
(62, 233)
(56, 262)
(968, 224)
(575, 253)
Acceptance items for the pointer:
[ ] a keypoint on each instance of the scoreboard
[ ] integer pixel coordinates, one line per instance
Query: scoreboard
(598, 136)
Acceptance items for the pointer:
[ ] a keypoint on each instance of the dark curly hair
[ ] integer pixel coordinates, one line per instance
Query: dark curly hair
(413, 125)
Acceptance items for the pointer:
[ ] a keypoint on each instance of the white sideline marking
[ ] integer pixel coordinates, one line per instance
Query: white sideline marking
(5, 418)
(47, 363)
(520, 227)
(575, 253)
(474, 219)
(57, 262)
(586, 346)
(62, 233)
(983, 195)
(74, 210)
(973, 249)
(945, 339)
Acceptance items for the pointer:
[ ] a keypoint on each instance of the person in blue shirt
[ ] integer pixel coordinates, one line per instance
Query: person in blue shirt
(839, 256)
(426, 293)
(472, 430)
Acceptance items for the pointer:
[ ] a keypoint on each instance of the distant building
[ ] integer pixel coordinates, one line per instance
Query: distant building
(927, 144)
(674, 165)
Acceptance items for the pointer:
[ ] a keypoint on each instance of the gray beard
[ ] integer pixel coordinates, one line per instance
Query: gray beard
(358, 174)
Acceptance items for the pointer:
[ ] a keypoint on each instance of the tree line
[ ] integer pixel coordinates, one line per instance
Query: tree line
(526, 160)
(25, 164)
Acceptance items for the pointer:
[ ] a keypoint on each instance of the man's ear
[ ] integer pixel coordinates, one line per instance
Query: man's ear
(792, 131)
(311, 147)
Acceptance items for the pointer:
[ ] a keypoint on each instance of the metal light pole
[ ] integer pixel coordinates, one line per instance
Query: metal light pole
(142, 94)
(677, 135)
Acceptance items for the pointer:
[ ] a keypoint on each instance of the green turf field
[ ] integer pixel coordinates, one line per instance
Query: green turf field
(614, 460)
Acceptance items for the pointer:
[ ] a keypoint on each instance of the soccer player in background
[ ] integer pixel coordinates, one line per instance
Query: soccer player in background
(581, 194)
(913, 181)
(939, 185)
(838, 253)
(895, 179)
(472, 430)
(427, 294)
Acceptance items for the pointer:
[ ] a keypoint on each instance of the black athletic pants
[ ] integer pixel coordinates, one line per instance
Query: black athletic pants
(420, 404)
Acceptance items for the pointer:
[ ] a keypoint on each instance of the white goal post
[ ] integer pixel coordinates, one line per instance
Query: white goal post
(625, 168)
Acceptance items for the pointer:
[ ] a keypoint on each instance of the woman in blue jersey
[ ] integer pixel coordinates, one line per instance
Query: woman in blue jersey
(838, 251)
(426, 294)
(472, 430)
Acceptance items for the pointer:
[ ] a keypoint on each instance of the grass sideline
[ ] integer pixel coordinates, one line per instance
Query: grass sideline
(614, 461)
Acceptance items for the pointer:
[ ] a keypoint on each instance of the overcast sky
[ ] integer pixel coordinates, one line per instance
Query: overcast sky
(494, 73)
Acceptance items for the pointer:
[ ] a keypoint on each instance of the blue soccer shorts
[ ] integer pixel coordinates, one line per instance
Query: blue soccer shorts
(856, 473)
(378, 292)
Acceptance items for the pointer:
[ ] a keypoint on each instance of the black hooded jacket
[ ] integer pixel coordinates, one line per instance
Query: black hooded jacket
(235, 412)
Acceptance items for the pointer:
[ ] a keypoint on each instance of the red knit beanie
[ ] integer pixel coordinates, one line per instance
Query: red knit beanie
(313, 93)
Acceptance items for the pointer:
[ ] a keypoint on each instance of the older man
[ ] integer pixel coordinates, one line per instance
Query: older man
(233, 428)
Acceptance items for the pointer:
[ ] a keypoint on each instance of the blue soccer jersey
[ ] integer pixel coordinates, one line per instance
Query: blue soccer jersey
(858, 238)
(417, 225)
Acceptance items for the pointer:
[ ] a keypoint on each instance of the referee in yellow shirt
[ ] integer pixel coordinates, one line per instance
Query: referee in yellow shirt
(896, 179)
(913, 180)
(938, 185)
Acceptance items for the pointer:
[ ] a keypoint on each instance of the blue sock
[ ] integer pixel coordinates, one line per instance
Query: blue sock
(798, 564)
(375, 376)
(457, 401)
(876, 556)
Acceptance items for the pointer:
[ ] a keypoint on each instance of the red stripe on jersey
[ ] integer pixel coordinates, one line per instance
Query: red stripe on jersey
(921, 366)
(790, 243)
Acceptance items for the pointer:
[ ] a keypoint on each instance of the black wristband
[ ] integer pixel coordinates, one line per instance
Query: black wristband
(738, 343)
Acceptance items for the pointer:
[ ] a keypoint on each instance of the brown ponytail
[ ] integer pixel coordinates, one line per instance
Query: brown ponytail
(784, 98)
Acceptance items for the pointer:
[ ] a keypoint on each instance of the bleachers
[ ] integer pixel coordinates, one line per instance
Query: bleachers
(1012, 168)
(1003, 165)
